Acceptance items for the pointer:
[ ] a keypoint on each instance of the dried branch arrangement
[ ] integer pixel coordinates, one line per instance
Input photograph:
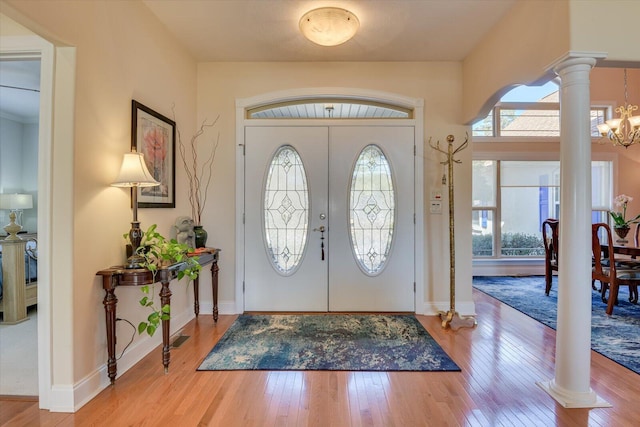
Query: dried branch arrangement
(198, 173)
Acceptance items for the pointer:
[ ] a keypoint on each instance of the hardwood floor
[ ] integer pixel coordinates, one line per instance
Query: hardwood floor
(501, 360)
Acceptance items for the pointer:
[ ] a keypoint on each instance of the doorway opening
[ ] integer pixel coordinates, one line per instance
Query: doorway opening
(331, 206)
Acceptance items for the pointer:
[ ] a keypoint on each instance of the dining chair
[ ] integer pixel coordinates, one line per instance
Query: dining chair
(550, 240)
(611, 274)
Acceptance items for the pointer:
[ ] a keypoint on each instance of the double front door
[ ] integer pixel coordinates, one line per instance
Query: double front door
(329, 218)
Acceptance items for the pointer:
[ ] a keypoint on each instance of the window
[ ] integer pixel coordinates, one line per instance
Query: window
(372, 202)
(531, 112)
(511, 199)
(286, 210)
(330, 108)
(511, 196)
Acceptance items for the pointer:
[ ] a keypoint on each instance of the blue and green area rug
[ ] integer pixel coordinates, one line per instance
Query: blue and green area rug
(327, 342)
(616, 337)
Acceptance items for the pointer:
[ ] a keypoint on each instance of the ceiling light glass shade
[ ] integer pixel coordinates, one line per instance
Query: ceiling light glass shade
(329, 26)
(16, 201)
(134, 172)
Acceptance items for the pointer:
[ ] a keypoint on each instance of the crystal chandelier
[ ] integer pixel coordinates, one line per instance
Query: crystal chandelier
(624, 131)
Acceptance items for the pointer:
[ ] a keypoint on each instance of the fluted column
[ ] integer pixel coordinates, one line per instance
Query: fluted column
(571, 385)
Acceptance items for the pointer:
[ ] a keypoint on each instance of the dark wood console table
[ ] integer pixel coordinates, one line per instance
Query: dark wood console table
(119, 276)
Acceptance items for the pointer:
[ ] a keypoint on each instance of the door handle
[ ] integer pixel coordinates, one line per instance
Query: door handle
(321, 230)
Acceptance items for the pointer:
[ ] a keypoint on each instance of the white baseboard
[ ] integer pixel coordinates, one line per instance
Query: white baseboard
(61, 398)
(70, 399)
(224, 307)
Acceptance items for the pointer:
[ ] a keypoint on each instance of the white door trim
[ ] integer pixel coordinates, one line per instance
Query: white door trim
(34, 47)
(417, 105)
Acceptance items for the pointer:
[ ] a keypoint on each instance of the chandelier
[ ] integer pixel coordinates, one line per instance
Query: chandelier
(624, 131)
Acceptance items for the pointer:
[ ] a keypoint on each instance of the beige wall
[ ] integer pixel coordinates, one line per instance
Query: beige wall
(616, 24)
(122, 53)
(607, 86)
(518, 50)
(220, 84)
(535, 34)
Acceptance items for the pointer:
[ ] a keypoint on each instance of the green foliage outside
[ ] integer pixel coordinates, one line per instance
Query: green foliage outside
(513, 244)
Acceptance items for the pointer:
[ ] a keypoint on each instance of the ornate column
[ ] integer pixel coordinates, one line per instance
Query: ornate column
(571, 385)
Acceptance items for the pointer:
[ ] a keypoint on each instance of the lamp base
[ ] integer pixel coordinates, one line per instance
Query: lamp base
(135, 261)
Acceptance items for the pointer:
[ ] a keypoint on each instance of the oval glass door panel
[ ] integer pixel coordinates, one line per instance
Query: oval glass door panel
(286, 210)
(371, 210)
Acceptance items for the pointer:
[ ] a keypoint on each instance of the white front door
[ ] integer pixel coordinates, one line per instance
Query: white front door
(354, 182)
(371, 262)
(283, 266)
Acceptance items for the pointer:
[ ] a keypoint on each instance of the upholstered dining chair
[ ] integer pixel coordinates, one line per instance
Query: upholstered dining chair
(550, 240)
(611, 274)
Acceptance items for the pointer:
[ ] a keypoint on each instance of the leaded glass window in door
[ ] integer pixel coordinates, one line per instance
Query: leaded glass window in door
(286, 210)
(371, 210)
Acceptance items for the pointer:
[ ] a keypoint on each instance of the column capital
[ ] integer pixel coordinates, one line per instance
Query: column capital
(576, 58)
(577, 64)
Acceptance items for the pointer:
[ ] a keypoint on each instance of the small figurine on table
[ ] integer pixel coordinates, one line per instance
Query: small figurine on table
(184, 231)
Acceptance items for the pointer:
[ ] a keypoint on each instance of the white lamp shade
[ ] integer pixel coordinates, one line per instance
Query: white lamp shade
(134, 172)
(635, 121)
(329, 26)
(614, 123)
(604, 128)
(16, 201)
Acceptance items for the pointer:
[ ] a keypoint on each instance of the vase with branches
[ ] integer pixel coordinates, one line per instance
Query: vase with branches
(199, 169)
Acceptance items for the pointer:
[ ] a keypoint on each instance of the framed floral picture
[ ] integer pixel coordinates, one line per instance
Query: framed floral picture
(154, 135)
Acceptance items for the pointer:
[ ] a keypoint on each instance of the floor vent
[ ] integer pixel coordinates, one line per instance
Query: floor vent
(179, 341)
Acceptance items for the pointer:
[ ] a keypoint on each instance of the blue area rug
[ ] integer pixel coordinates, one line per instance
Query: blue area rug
(327, 342)
(616, 337)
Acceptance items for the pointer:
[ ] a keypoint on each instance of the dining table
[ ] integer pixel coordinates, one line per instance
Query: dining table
(633, 251)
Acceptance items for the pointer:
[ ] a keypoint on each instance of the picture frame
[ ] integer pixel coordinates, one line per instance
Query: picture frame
(154, 135)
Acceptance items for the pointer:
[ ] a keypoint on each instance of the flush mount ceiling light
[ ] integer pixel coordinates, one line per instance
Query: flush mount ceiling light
(329, 26)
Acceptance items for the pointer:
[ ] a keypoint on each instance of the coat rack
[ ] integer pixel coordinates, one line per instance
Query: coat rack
(451, 318)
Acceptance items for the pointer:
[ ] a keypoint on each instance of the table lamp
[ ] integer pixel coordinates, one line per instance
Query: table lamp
(134, 174)
(15, 203)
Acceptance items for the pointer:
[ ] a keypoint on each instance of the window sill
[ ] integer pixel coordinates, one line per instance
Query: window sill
(508, 267)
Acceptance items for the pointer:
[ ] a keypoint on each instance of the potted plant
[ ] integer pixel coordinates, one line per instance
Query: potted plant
(620, 224)
(157, 252)
(199, 173)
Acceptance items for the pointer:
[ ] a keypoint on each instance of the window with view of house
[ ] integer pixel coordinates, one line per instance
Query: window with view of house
(517, 115)
(513, 195)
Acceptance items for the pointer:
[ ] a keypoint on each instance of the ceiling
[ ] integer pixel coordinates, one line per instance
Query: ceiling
(390, 30)
(267, 30)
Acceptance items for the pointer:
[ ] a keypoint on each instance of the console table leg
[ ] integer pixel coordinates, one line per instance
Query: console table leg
(165, 298)
(196, 296)
(214, 286)
(110, 302)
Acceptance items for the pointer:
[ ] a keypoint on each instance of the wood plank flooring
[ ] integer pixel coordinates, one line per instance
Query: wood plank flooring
(501, 360)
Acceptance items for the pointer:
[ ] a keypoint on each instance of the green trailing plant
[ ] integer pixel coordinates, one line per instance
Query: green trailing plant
(157, 252)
